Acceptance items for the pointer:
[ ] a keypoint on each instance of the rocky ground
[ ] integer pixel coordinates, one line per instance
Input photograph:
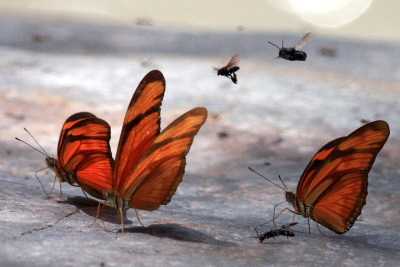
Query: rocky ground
(274, 120)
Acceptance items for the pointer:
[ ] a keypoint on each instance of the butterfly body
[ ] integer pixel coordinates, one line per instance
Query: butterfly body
(230, 69)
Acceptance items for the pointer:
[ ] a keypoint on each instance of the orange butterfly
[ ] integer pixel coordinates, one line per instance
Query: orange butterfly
(84, 155)
(333, 188)
(149, 165)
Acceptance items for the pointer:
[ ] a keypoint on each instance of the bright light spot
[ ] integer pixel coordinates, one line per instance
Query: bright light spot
(327, 13)
(313, 6)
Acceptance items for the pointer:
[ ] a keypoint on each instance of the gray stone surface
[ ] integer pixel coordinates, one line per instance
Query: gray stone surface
(280, 113)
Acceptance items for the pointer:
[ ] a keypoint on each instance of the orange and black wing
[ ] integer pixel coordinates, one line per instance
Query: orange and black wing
(159, 172)
(84, 151)
(335, 181)
(141, 125)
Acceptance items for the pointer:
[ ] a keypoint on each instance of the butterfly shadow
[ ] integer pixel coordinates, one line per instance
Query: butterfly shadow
(178, 232)
(90, 207)
(169, 230)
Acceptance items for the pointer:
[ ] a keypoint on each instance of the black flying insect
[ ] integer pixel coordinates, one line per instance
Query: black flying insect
(294, 53)
(230, 69)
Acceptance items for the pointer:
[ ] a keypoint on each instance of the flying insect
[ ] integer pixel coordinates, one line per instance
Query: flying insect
(294, 53)
(230, 69)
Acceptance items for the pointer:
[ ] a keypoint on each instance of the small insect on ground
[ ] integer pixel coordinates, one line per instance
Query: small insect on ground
(283, 230)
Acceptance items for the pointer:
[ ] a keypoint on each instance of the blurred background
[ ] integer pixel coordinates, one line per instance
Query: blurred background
(355, 19)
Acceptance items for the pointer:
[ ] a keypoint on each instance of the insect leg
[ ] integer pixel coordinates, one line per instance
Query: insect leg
(48, 195)
(99, 209)
(137, 216)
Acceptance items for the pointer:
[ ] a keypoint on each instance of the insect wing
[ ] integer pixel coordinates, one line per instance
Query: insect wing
(233, 62)
(141, 125)
(84, 151)
(161, 168)
(303, 42)
(335, 181)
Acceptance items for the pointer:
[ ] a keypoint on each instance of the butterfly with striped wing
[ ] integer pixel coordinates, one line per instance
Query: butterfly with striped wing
(84, 154)
(333, 188)
(149, 164)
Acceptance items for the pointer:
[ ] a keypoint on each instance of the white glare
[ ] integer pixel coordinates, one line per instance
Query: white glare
(327, 13)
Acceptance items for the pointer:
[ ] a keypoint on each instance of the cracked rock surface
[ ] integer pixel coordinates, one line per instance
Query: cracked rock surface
(274, 120)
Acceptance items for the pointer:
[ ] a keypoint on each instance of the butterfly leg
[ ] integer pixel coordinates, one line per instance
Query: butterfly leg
(99, 207)
(85, 194)
(273, 217)
(121, 216)
(317, 227)
(41, 182)
(294, 216)
(137, 216)
(54, 185)
(60, 191)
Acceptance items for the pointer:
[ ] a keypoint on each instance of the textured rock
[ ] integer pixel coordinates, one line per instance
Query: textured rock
(280, 113)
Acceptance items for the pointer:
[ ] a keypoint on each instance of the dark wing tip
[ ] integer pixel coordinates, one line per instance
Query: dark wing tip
(154, 76)
(80, 115)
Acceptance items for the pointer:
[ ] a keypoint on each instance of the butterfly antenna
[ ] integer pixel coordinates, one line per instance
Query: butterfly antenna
(268, 180)
(31, 146)
(282, 44)
(283, 183)
(42, 152)
(37, 142)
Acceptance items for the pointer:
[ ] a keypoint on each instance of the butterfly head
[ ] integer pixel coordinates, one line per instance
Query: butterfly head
(51, 162)
(290, 197)
(61, 174)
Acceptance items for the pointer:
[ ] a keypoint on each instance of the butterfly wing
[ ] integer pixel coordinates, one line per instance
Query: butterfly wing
(141, 125)
(335, 181)
(84, 151)
(155, 179)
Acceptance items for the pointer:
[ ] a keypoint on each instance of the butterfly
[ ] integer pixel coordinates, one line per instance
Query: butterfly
(84, 154)
(230, 69)
(294, 53)
(333, 188)
(283, 230)
(149, 164)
